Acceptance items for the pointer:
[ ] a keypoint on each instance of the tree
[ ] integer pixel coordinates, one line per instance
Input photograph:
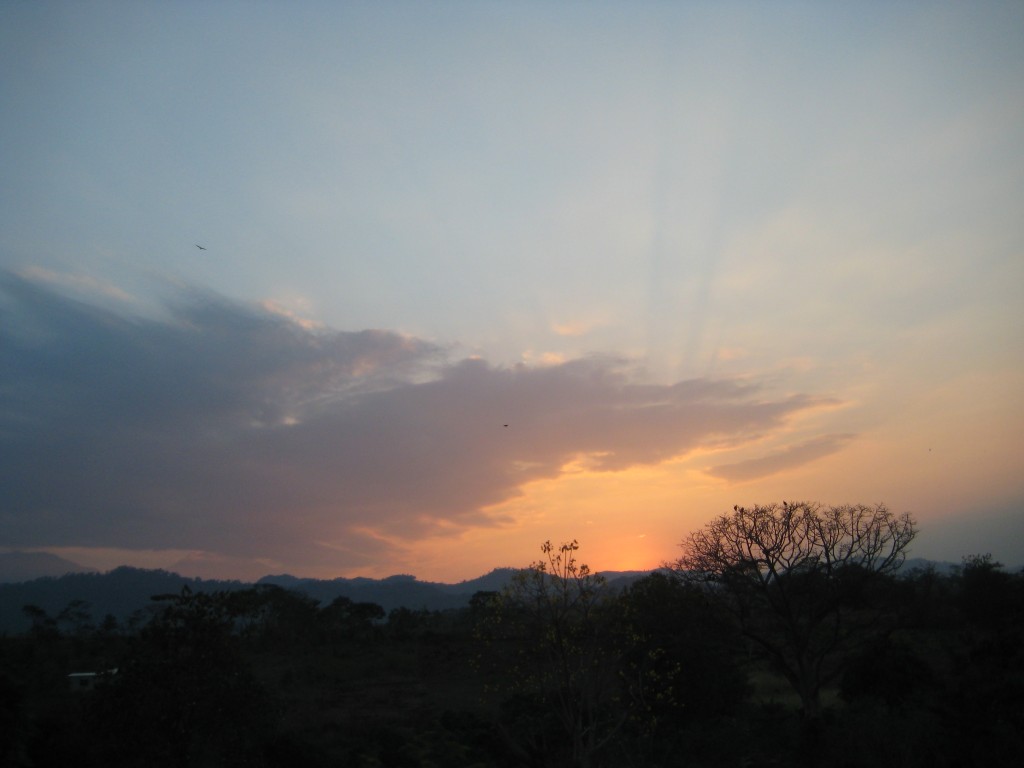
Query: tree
(344, 619)
(43, 626)
(801, 580)
(681, 671)
(77, 618)
(987, 592)
(274, 617)
(563, 676)
(184, 695)
(679, 653)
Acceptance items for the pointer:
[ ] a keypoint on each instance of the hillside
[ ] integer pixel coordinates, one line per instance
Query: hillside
(125, 593)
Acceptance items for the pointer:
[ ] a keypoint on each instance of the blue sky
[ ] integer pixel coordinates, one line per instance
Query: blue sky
(789, 231)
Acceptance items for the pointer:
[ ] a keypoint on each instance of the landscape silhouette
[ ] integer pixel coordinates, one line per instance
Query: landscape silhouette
(784, 632)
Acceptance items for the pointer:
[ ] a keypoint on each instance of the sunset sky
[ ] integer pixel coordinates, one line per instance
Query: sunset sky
(479, 275)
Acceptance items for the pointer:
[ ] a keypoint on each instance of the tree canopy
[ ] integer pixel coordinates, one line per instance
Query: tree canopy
(795, 575)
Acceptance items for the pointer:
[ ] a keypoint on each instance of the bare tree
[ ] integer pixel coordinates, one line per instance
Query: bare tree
(797, 577)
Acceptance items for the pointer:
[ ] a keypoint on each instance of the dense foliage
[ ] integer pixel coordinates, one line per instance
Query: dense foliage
(559, 669)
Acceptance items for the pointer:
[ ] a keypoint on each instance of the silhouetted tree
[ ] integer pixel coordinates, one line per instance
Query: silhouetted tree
(184, 695)
(43, 625)
(344, 619)
(274, 616)
(987, 685)
(798, 578)
(987, 592)
(76, 617)
(564, 674)
(887, 671)
(680, 667)
(680, 652)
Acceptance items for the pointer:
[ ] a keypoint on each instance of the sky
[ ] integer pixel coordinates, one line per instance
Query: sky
(475, 276)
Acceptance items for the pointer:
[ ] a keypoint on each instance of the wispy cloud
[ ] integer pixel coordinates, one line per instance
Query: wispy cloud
(574, 327)
(83, 284)
(277, 308)
(782, 460)
(234, 430)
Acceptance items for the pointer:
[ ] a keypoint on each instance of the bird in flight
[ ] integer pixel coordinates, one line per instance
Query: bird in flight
(200, 247)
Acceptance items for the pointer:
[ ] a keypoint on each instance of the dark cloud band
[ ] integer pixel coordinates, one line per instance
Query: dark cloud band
(232, 429)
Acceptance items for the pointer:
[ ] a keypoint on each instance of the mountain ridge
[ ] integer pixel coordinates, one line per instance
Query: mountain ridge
(125, 592)
(18, 566)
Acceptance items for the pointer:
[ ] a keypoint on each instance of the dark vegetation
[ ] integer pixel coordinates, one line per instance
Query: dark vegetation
(834, 659)
(124, 592)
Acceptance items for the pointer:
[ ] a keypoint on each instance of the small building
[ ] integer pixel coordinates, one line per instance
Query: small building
(86, 681)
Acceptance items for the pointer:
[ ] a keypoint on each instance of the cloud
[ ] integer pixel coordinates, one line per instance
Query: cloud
(83, 284)
(277, 308)
(530, 357)
(573, 328)
(782, 460)
(234, 430)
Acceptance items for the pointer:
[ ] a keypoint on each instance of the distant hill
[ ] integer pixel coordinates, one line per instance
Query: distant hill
(494, 581)
(24, 566)
(120, 593)
(392, 592)
(941, 567)
(126, 591)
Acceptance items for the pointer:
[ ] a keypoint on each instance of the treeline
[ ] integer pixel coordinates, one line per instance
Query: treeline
(925, 669)
(124, 592)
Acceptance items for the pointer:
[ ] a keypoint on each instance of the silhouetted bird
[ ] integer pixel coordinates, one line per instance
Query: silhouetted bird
(200, 247)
